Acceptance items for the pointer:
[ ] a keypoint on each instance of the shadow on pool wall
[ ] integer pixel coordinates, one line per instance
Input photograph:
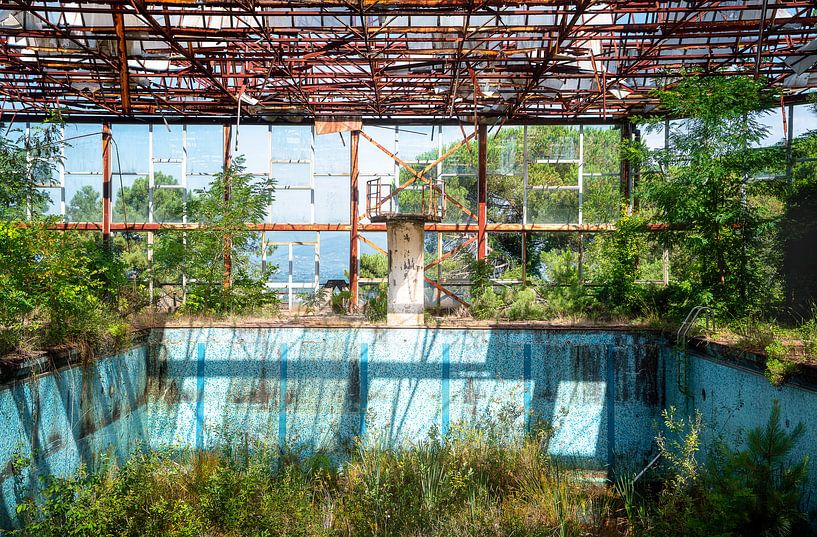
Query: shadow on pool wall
(601, 392)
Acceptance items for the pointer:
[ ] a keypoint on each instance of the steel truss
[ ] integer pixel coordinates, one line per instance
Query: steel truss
(536, 60)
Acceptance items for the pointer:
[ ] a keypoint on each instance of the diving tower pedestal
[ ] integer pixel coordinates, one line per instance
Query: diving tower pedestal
(405, 210)
(406, 237)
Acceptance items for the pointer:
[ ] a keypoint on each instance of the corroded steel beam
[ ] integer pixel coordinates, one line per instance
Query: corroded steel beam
(525, 60)
(122, 51)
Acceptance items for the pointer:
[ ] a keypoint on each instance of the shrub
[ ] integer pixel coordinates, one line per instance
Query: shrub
(564, 293)
(315, 301)
(374, 266)
(808, 333)
(619, 268)
(340, 302)
(485, 304)
(753, 491)
(200, 255)
(525, 305)
(778, 366)
(57, 287)
(377, 306)
(479, 480)
(697, 185)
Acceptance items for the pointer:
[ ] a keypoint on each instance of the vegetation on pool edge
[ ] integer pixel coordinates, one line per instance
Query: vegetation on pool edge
(478, 480)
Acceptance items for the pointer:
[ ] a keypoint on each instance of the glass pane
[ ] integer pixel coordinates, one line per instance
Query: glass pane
(83, 194)
(133, 144)
(553, 207)
(288, 174)
(332, 200)
(291, 143)
(83, 148)
(291, 206)
(130, 199)
(334, 255)
(601, 198)
(505, 175)
(332, 154)
(51, 205)
(303, 256)
(167, 142)
(205, 151)
(253, 146)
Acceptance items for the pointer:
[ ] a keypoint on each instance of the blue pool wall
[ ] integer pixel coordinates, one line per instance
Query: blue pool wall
(602, 392)
(733, 397)
(53, 422)
(322, 388)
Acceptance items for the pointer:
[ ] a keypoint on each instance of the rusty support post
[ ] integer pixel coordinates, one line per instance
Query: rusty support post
(122, 52)
(106, 184)
(482, 194)
(625, 186)
(354, 192)
(228, 243)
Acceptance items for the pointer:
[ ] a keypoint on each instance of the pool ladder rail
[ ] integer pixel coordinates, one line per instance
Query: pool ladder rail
(681, 339)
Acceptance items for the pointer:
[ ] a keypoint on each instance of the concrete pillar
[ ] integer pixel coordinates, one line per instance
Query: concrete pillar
(406, 272)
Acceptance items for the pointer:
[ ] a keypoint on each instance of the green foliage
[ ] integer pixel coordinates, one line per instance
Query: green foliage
(315, 301)
(698, 185)
(678, 445)
(27, 160)
(564, 293)
(475, 481)
(374, 266)
(377, 306)
(808, 334)
(168, 203)
(200, 255)
(525, 305)
(56, 287)
(485, 304)
(481, 273)
(778, 365)
(85, 206)
(341, 302)
(619, 269)
(754, 491)
(505, 165)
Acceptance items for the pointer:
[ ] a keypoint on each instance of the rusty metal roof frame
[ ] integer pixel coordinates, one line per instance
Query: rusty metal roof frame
(545, 61)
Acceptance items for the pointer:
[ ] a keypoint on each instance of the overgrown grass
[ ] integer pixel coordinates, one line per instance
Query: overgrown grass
(476, 481)
(473, 482)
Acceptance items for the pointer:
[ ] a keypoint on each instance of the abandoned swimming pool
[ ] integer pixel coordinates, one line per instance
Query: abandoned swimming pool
(601, 392)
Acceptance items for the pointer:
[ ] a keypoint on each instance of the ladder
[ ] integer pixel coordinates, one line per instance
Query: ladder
(681, 338)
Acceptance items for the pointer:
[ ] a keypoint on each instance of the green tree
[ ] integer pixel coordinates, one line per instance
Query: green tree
(54, 286)
(200, 254)
(374, 265)
(699, 185)
(26, 160)
(132, 202)
(85, 206)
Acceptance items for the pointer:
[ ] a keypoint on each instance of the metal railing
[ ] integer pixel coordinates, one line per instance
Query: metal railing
(683, 331)
(420, 199)
(681, 338)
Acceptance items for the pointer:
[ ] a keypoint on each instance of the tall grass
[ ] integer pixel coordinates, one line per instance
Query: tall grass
(473, 482)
